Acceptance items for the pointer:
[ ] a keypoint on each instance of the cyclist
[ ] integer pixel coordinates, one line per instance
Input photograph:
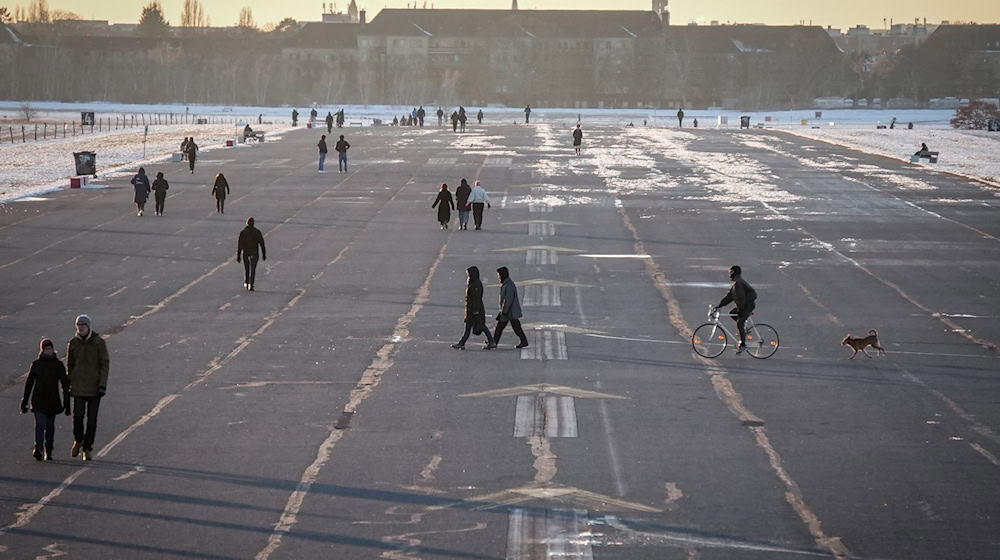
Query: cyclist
(745, 297)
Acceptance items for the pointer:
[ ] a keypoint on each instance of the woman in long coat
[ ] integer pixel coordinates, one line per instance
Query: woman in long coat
(445, 204)
(142, 189)
(220, 189)
(475, 312)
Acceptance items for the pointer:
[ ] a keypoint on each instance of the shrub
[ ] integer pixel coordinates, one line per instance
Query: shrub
(975, 115)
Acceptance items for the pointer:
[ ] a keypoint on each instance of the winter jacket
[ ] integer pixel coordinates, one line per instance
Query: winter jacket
(250, 239)
(462, 196)
(221, 187)
(474, 308)
(160, 187)
(46, 376)
(141, 182)
(741, 293)
(510, 307)
(322, 146)
(342, 146)
(478, 194)
(192, 150)
(87, 365)
(446, 205)
(577, 136)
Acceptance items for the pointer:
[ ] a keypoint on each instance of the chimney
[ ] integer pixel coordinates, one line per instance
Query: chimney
(362, 17)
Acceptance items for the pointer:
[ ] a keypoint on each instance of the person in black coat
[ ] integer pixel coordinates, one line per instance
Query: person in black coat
(192, 153)
(142, 189)
(475, 312)
(329, 122)
(462, 202)
(445, 204)
(479, 116)
(745, 297)
(160, 187)
(295, 117)
(247, 250)
(46, 376)
(220, 189)
(577, 139)
(184, 149)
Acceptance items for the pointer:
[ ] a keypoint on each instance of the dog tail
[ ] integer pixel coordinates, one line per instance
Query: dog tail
(873, 331)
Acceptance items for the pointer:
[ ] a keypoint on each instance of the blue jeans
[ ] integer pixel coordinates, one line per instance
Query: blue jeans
(342, 161)
(322, 159)
(45, 431)
(463, 217)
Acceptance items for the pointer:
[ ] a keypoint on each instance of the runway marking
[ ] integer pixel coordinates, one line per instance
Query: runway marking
(611, 256)
(989, 456)
(259, 384)
(616, 466)
(543, 388)
(541, 296)
(547, 345)
(369, 381)
(636, 339)
(545, 415)
(116, 292)
(540, 208)
(543, 229)
(138, 469)
(541, 256)
(557, 534)
(734, 402)
(969, 418)
(498, 162)
(442, 161)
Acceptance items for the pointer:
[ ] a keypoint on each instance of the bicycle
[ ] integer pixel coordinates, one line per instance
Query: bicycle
(711, 339)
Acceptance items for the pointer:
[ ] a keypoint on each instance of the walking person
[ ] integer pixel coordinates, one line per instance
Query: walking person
(577, 138)
(510, 309)
(160, 187)
(445, 204)
(462, 120)
(454, 121)
(527, 114)
(440, 114)
(142, 189)
(475, 311)
(220, 189)
(46, 376)
(342, 147)
(295, 117)
(87, 365)
(322, 152)
(184, 148)
(192, 152)
(479, 116)
(420, 115)
(462, 203)
(680, 118)
(477, 200)
(329, 122)
(251, 239)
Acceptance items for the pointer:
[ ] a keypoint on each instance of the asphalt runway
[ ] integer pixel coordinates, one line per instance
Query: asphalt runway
(326, 416)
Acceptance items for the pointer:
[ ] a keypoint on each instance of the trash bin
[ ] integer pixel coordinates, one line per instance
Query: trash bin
(86, 163)
(745, 121)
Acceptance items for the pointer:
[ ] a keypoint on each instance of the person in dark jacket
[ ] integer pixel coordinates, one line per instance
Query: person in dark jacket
(220, 189)
(295, 117)
(923, 151)
(577, 139)
(247, 132)
(247, 250)
(462, 204)
(160, 187)
(342, 147)
(745, 297)
(184, 149)
(680, 118)
(445, 204)
(479, 116)
(475, 312)
(322, 152)
(440, 114)
(462, 118)
(329, 122)
(420, 115)
(142, 189)
(454, 121)
(527, 114)
(510, 309)
(87, 365)
(46, 376)
(192, 153)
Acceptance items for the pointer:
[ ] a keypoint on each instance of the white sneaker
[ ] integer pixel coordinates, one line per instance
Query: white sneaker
(140, 213)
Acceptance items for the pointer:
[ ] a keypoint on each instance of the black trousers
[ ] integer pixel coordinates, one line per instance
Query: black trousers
(250, 268)
(477, 213)
(741, 316)
(191, 159)
(160, 199)
(85, 407)
(514, 324)
(468, 331)
(220, 205)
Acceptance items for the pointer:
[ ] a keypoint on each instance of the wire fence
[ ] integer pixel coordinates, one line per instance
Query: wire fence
(51, 131)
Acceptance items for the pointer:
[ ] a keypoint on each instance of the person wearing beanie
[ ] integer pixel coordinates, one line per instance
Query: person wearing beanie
(160, 187)
(510, 309)
(87, 363)
(247, 250)
(46, 376)
(475, 312)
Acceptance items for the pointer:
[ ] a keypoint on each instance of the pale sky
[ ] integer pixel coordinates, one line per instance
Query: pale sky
(838, 13)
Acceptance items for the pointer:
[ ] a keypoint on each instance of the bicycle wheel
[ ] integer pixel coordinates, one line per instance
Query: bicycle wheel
(709, 340)
(762, 341)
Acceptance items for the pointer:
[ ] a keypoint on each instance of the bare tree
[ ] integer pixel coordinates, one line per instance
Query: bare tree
(28, 111)
(38, 12)
(65, 15)
(246, 18)
(193, 14)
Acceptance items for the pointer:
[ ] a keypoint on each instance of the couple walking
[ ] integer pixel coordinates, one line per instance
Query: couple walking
(475, 312)
(466, 198)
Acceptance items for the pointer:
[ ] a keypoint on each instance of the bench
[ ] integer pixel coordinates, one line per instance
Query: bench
(932, 157)
(255, 136)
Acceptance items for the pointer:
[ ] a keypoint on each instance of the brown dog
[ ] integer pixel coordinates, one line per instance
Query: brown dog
(861, 343)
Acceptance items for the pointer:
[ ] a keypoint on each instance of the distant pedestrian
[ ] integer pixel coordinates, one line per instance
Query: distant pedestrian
(475, 311)
(420, 115)
(577, 139)
(342, 147)
(680, 118)
(295, 117)
(462, 119)
(87, 365)
(329, 122)
(510, 309)
(477, 200)
(160, 187)
(527, 114)
(46, 377)
(249, 248)
(923, 151)
(260, 118)
(340, 118)
(322, 152)
(192, 152)
(220, 189)
(440, 114)
(479, 117)
(445, 204)
(462, 203)
(142, 189)
(695, 122)
(184, 148)
(454, 121)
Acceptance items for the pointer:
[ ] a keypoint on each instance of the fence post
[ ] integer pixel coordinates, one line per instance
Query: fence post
(22, 135)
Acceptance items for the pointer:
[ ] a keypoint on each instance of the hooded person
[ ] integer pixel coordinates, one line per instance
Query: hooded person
(160, 187)
(45, 379)
(510, 309)
(220, 189)
(142, 189)
(192, 153)
(87, 366)
(445, 204)
(247, 250)
(462, 203)
(475, 311)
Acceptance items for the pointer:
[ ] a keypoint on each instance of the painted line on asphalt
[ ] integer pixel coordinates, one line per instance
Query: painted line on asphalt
(556, 534)
(969, 418)
(545, 415)
(616, 465)
(547, 345)
(989, 456)
(542, 229)
(541, 295)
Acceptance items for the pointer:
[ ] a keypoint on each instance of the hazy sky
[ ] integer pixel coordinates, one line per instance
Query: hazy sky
(838, 13)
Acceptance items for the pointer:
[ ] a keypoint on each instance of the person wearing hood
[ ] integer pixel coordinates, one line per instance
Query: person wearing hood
(142, 189)
(184, 148)
(510, 309)
(477, 200)
(192, 152)
(444, 204)
(220, 189)
(462, 203)
(475, 311)
(46, 376)
(87, 365)
(246, 250)
(577, 138)
(160, 187)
